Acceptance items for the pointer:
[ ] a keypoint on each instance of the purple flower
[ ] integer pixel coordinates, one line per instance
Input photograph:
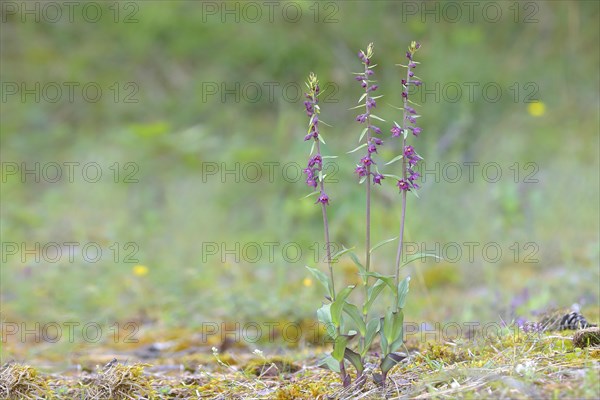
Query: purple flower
(412, 64)
(416, 83)
(315, 160)
(413, 175)
(361, 118)
(396, 131)
(404, 95)
(308, 171)
(309, 108)
(376, 140)
(403, 82)
(410, 109)
(323, 199)
(369, 72)
(409, 55)
(373, 88)
(411, 74)
(403, 185)
(361, 171)
(377, 178)
(360, 78)
(311, 182)
(372, 148)
(375, 129)
(415, 130)
(371, 103)
(366, 161)
(412, 119)
(409, 151)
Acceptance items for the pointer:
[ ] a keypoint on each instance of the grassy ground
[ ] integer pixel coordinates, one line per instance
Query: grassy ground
(511, 365)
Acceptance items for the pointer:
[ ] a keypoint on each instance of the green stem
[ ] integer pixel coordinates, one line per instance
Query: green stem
(368, 207)
(326, 228)
(403, 217)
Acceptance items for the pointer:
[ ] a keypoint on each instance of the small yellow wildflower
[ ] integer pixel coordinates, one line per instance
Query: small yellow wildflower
(140, 270)
(307, 282)
(536, 109)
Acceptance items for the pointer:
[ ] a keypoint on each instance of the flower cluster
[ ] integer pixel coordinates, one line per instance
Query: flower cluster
(411, 158)
(363, 169)
(315, 162)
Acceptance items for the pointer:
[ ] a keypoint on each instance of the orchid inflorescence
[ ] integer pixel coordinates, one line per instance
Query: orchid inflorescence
(345, 320)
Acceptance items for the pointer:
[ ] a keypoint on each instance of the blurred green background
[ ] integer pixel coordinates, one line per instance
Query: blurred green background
(159, 121)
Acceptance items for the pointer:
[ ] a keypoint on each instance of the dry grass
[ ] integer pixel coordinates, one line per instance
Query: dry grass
(507, 367)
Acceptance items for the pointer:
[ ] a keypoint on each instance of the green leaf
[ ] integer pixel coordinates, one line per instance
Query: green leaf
(353, 312)
(341, 252)
(378, 245)
(383, 342)
(358, 106)
(321, 139)
(321, 277)
(358, 148)
(403, 292)
(330, 363)
(354, 359)
(377, 118)
(393, 160)
(399, 332)
(326, 157)
(390, 360)
(389, 280)
(362, 97)
(338, 305)
(311, 194)
(372, 294)
(324, 317)
(392, 176)
(362, 179)
(392, 327)
(363, 134)
(339, 347)
(357, 262)
(372, 329)
(312, 147)
(419, 255)
(361, 269)
(388, 325)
